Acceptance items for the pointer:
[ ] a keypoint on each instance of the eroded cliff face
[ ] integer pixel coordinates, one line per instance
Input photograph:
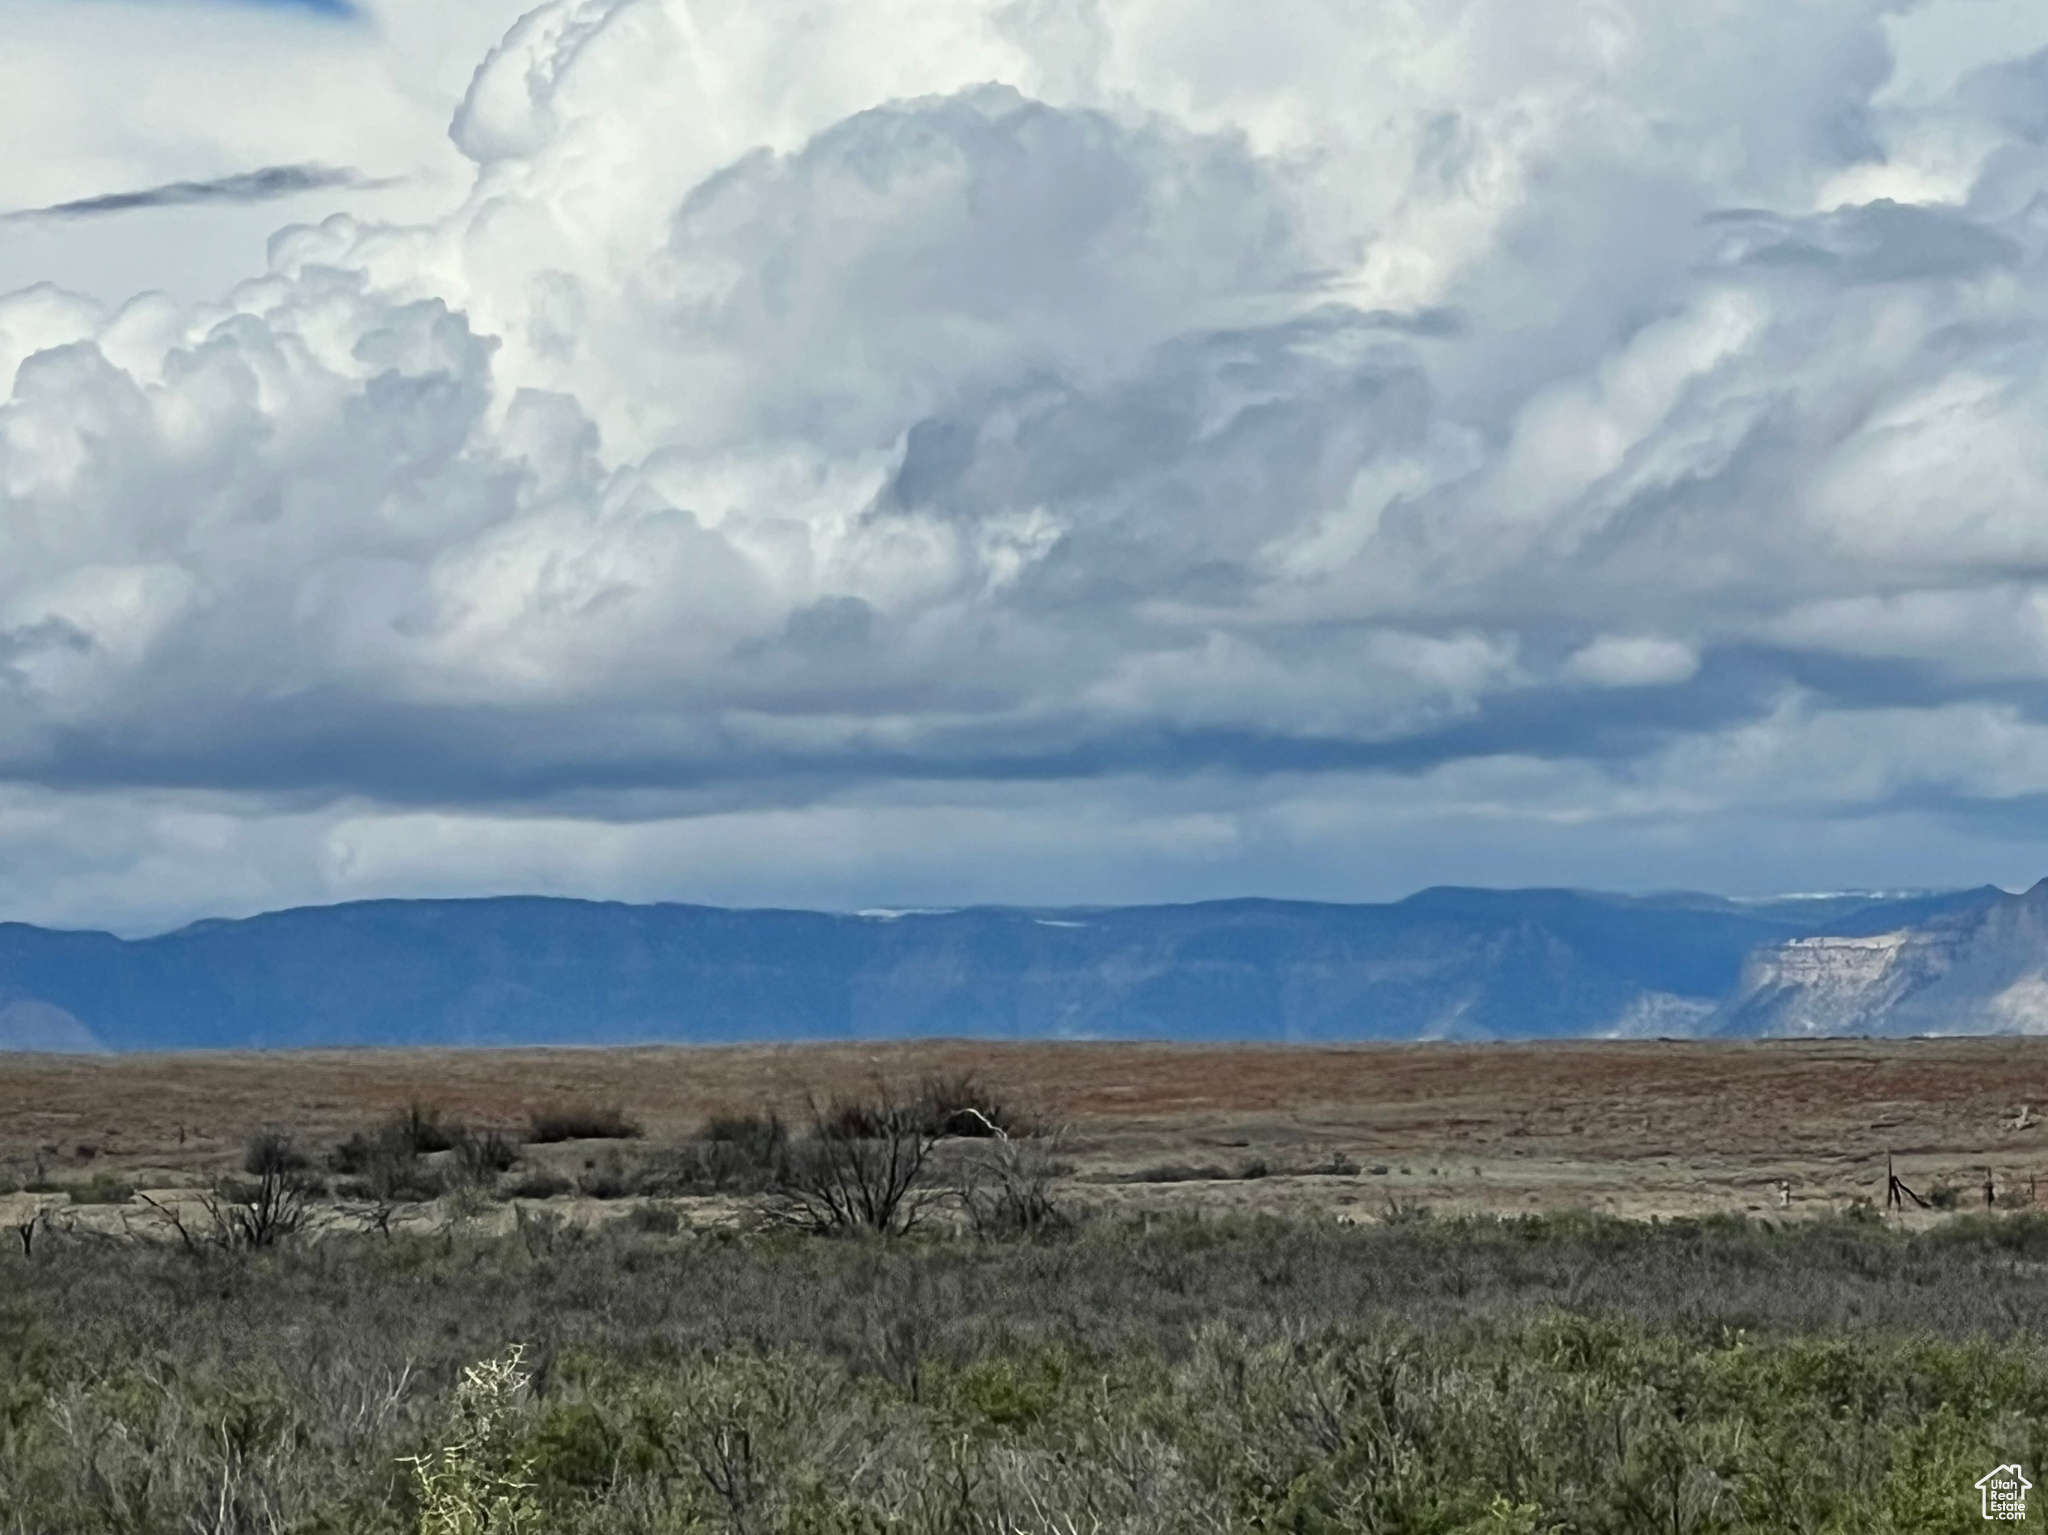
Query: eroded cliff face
(1979, 971)
(1661, 1015)
(1831, 985)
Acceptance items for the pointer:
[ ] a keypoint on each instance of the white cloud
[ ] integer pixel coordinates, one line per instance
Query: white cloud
(974, 422)
(1633, 661)
(109, 96)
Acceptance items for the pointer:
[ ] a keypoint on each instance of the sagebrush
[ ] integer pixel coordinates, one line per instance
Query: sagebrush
(1555, 1375)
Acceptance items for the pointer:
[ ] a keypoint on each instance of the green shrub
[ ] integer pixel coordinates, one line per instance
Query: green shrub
(752, 1140)
(1466, 1377)
(398, 1181)
(962, 1104)
(424, 1131)
(745, 1154)
(1180, 1172)
(661, 1220)
(272, 1150)
(606, 1178)
(480, 1480)
(581, 1122)
(386, 1163)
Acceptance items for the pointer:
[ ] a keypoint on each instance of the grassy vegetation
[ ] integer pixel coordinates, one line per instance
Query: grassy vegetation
(100, 1189)
(1114, 1376)
(581, 1122)
(910, 1335)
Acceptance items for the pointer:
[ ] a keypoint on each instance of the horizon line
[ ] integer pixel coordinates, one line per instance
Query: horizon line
(895, 913)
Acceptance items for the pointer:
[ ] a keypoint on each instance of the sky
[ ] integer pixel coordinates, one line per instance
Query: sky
(922, 452)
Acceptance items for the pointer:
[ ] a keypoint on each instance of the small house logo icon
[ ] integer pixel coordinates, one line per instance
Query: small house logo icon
(2005, 1494)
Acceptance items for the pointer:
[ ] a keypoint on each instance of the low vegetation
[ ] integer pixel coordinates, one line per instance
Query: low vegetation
(581, 1122)
(908, 1333)
(1111, 1375)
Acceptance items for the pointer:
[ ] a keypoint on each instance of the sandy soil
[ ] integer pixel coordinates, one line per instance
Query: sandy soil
(1636, 1128)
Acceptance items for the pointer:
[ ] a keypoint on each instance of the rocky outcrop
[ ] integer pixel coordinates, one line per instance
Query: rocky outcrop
(1979, 970)
(1660, 1015)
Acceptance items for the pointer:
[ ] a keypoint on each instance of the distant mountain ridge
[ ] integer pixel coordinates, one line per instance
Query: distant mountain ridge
(1978, 968)
(1447, 963)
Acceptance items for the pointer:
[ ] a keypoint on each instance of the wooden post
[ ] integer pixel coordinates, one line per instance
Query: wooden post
(1896, 1192)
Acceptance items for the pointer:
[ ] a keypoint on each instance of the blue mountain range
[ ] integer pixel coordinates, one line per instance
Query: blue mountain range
(1443, 964)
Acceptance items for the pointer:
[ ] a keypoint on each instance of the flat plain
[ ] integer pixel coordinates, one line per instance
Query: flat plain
(1626, 1128)
(593, 1332)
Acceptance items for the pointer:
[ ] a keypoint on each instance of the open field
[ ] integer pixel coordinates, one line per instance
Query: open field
(1562, 1375)
(1187, 1342)
(1633, 1129)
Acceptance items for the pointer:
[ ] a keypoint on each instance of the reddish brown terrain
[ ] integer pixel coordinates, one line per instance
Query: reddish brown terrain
(1630, 1128)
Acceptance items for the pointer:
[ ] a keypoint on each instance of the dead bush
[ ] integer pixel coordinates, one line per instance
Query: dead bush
(277, 1205)
(1006, 1189)
(242, 1215)
(861, 1168)
(483, 1155)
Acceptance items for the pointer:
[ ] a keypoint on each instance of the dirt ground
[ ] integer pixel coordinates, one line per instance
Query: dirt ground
(1630, 1128)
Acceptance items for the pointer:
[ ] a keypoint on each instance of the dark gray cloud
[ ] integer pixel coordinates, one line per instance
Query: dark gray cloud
(261, 186)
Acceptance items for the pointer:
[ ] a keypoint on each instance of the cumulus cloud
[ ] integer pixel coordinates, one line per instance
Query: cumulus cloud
(1013, 428)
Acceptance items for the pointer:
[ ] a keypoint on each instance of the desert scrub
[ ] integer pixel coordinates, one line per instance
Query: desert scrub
(581, 1122)
(1230, 1376)
(101, 1189)
(480, 1479)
